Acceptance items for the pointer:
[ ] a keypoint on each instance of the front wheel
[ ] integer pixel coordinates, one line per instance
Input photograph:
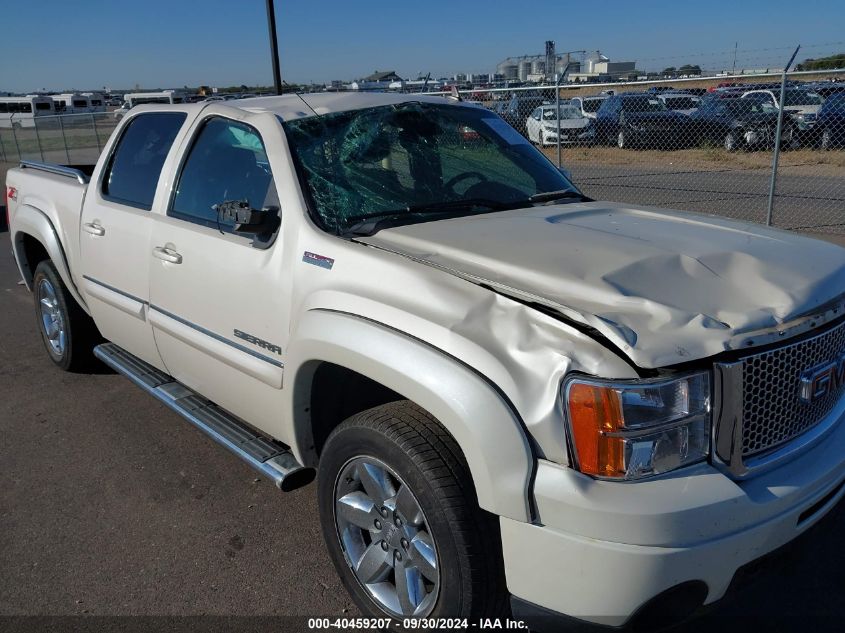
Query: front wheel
(68, 333)
(622, 140)
(401, 521)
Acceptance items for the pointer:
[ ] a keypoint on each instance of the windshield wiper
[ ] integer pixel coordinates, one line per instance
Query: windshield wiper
(548, 196)
(367, 224)
(448, 205)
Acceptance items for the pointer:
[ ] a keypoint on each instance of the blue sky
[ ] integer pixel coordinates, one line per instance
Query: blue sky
(57, 45)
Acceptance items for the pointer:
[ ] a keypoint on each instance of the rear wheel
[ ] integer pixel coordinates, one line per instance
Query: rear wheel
(622, 140)
(401, 521)
(68, 333)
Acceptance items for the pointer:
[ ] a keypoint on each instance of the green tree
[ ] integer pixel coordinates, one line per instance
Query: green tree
(823, 63)
(688, 69)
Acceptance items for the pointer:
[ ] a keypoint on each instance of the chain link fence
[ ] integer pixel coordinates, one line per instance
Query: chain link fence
(695, 145)
(691, 145)
(68, 139)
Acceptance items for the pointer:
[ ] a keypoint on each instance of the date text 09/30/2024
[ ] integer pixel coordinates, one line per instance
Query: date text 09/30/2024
(380, 624)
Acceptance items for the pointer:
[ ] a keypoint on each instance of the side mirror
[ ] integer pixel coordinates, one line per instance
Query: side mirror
(247, 220)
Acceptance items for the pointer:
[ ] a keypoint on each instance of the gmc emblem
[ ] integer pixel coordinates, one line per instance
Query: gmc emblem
(821, 380)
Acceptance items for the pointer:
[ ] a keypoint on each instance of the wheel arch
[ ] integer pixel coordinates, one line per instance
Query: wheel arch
(34, 240)
(477, 415)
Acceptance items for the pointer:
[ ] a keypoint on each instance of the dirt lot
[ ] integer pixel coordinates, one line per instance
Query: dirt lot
(807, 162)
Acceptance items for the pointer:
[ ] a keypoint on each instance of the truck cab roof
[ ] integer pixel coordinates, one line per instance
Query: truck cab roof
(293, 106)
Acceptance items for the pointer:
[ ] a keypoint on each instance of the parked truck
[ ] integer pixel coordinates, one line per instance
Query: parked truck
(515, 399)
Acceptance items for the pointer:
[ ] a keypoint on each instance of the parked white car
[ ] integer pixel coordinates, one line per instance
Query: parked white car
(588, 105)
(542, 126)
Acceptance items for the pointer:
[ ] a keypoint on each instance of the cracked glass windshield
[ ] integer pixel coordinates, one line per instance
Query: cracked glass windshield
(415, 162)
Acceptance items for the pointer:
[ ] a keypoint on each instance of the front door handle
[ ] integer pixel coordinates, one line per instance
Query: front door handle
(167, 255)
(94, 229)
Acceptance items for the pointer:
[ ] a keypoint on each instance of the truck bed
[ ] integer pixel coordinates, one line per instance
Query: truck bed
(55, 191)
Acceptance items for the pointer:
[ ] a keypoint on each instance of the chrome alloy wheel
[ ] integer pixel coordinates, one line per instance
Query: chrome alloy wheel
(52, 321)
(385, 538)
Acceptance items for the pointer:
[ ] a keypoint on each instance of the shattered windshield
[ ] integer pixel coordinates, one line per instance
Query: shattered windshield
(415, 162)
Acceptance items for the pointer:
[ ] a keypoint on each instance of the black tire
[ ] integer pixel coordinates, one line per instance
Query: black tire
(79, 332)
(429, 462)
(730, 142)
(622, 141)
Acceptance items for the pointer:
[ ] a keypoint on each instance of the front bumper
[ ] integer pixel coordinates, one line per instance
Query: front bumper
(568, 136)
(603, 550)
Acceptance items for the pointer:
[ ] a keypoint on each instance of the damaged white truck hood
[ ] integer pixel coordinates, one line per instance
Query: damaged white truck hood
(664, 287)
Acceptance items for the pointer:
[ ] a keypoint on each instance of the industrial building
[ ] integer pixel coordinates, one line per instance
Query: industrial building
(572, 66)
(537, 67)
(598, 67)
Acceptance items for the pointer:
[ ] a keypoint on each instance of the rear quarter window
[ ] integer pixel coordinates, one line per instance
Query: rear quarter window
(132, 173)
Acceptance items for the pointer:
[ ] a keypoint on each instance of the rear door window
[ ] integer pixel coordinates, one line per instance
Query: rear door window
(132, 174)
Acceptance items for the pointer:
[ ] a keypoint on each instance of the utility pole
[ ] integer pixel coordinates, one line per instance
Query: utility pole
(274, 47)
(733, 72)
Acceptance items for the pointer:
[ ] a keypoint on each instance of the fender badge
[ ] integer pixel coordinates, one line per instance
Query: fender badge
(318, 260)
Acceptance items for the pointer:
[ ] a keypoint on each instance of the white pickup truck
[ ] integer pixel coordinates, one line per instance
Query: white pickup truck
(515, 398)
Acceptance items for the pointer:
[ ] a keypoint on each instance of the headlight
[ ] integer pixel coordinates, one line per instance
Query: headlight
(631, 430)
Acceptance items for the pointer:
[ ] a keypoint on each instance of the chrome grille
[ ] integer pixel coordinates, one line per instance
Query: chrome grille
(773, 414)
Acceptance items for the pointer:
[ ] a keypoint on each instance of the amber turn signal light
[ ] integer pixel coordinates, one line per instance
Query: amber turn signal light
(595, 411)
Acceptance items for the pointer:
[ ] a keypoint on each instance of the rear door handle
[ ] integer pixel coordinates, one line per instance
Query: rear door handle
(94, 229)
(167, 254)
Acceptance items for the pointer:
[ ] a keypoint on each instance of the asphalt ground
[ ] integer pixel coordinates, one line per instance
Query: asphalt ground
(803, 200)
(115, 514)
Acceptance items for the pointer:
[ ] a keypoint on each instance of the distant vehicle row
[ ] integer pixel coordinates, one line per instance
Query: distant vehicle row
(21, 111)
(735, 118)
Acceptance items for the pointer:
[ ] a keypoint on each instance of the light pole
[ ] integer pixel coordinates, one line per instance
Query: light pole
(274, 47)
(778, 130)
(558, 78)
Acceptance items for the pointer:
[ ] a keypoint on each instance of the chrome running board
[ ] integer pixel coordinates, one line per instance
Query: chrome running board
(271, 458)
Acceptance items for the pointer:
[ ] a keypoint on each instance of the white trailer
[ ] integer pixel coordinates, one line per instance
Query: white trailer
(21, 111)
(71, 103)
(131, 99)
(96, 101)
